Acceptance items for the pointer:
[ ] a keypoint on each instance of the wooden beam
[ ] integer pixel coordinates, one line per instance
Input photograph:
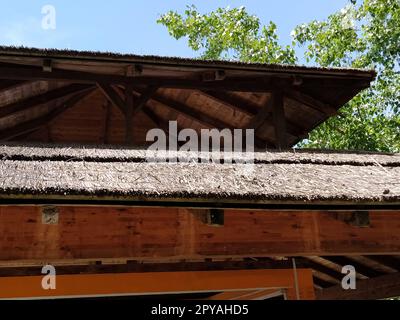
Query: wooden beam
(235, 103)
(25, 72)
(20, 72)
(258, 120)
(160, 282)
(194, 114)
(279, 121)
(187, 111)
(41, 99)
(166, 234)
(324, 269)
(96, 267)
(387, 261)
(265, 114)
(34, 124)
(160, 123)
(311, 102)
(129, 107)
(360, 268)
(386, 286)
(104, 128)
(112, 95)
(144, 98)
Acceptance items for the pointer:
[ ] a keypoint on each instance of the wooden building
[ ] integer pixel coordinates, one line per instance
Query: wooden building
(77, 190)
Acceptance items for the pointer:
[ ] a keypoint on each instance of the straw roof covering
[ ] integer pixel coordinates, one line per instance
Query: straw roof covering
(295, 176)
(125, 57)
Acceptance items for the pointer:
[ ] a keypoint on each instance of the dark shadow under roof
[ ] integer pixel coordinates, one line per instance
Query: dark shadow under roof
(37, 86)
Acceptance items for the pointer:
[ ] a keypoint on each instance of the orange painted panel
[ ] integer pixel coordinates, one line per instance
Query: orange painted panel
(160, 282)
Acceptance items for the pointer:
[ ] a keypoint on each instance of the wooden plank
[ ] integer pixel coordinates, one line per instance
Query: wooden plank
(41, 99)
(169, 234)
(162, 282)
(21, 72)
(235, 103)
(386, 286)
(311, 102)
(34, 124)
(257, 83)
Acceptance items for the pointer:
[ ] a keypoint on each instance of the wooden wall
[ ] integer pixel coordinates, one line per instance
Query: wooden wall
(164, 234)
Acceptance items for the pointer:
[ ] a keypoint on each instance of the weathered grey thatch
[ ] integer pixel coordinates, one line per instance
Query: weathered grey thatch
(42, 152)
(285, 176)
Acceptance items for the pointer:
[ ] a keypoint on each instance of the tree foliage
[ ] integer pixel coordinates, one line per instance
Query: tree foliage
(228, 34)
(361, 35)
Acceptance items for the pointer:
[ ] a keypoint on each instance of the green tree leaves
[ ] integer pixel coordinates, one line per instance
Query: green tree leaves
(228, 34)
(362, 35)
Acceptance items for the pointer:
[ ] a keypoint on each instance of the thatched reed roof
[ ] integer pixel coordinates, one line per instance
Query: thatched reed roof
(124, 174)
(125, 57)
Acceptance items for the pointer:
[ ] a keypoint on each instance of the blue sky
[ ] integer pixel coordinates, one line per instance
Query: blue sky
(129, 26)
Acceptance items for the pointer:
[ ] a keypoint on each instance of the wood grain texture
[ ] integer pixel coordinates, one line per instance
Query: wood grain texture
(161, 282)
(172, 234)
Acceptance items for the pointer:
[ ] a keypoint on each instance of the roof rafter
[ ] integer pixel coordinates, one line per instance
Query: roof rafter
(37, 123)
(386, 286)
(323, 269)
(387, 261)
(41, 99)
(311, 102)
(235, 103)
(250, 109)
(360, 268)
(112, 95)
(197, 115)
(144, 98)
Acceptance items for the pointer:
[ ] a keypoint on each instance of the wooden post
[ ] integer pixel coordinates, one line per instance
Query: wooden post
(129, 114)
(279, 121)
